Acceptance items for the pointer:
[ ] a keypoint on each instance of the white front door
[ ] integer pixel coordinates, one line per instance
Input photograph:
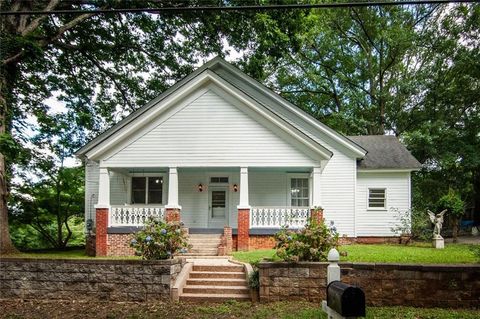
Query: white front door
(217, 206)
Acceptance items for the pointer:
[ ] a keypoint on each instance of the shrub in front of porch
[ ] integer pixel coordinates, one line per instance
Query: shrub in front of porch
(311, 243)
(160, 240)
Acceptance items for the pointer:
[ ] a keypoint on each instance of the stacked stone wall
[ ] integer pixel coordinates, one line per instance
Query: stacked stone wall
(445, 286)
(118, 280)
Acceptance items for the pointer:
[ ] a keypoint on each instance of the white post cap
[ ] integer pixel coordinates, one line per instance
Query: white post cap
(333, 255)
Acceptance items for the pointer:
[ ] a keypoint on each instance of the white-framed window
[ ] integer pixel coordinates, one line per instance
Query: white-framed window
(377, 198)
(147, 190)
(299, 191)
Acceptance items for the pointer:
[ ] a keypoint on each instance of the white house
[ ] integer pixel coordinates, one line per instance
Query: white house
(220, 149)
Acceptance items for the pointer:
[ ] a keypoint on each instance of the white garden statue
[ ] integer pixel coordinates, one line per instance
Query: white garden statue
(437, 220)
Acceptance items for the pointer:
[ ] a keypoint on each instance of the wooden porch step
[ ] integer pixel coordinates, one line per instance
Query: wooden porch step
(216, 282)
(218, 290)
(213, 297)
(217, 274)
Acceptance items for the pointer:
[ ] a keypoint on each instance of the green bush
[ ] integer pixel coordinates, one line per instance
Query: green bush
(311, 243)
(422, 228)
(160, 240)
(453, 203)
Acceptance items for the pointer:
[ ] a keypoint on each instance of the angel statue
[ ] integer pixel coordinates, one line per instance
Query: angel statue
(437, 220)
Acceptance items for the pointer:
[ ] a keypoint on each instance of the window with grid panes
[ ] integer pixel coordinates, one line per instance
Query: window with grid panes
(376, 198)
(299, 192)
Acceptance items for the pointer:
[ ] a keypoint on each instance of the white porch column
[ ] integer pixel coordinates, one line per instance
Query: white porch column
(103, 189)
(244, 202)
(172, 201)
(316, 187)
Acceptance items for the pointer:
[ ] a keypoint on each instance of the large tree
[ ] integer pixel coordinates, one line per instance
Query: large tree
(357, 67)
(104, 66)
(443, 130)
(408, 70)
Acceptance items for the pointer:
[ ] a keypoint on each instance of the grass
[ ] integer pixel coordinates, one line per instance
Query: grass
(418, 253)
(254, 256)
(281, 310)
(415, 253)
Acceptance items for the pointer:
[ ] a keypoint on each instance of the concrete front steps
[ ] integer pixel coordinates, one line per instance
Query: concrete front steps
(204, 244)
(216, 283)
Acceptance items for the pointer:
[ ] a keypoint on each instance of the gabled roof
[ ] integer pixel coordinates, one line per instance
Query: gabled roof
(385, 152)
(311, 128)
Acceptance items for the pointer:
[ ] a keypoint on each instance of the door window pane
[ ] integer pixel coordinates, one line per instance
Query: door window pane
(219, 204)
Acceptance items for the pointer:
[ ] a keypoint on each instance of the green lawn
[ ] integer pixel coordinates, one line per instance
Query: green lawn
(280, 310)
(417, 253)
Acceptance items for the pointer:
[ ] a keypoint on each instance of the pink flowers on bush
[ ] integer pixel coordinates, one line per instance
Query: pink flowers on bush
(311, 243)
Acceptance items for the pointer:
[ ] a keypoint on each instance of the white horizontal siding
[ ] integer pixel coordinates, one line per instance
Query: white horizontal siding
(92, 172)
(119, 185)
(209, 132)
(267, 188)
(338, 192)
(379, 222)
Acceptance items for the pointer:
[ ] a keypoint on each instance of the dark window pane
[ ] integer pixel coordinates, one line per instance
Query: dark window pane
(138, 190)
(138, 183)
(376, 198)
(218, 199)
(154, 197)
(155, 183)
(155, 189)
(223, 180)
(138, 197)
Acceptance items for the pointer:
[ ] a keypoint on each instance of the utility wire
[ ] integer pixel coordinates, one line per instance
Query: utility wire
(238, 8)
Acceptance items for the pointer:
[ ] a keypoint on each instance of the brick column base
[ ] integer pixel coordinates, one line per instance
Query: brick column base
(90, 245)
(172, 215)
(227, 234)
(101, 221)
(316, 215)
(243, 229)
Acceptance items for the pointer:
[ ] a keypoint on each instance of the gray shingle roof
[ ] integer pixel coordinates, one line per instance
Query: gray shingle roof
(384, 152)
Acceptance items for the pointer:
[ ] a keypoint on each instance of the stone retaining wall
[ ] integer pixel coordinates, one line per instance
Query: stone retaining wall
(119, 280)
(443, 286)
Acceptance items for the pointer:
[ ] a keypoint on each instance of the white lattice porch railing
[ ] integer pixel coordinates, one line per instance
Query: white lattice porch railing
(133, 215)
(276, 217)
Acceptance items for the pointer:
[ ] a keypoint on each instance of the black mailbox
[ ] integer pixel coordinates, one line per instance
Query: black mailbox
(346, 300)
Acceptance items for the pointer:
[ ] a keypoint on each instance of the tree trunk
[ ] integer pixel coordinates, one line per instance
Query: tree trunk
(7, 74)
(476, 195)
(455, 229)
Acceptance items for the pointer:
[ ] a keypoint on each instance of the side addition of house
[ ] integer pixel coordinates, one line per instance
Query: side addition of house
(224, 154)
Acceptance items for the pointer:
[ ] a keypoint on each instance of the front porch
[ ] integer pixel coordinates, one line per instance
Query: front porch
(237, 202)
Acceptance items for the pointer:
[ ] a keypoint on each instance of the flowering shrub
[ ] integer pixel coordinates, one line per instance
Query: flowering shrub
(311, 243)
(160, 240)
